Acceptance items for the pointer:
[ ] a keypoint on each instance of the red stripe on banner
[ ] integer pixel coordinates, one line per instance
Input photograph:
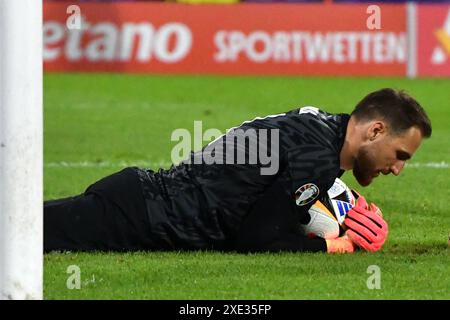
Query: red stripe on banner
(273, 39)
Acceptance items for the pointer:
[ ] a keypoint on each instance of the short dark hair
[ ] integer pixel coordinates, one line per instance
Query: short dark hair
(399, 109)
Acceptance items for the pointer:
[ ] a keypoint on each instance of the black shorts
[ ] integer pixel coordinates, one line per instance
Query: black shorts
(110, 215)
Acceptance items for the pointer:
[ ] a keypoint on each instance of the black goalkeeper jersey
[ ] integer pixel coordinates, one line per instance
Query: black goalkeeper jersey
(205, 201)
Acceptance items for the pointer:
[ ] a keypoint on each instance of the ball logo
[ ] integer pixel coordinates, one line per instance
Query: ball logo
(306, 193)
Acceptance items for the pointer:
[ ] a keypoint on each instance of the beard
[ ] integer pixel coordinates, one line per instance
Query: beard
(364, 167)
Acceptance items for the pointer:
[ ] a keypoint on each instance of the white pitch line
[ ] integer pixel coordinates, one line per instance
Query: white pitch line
(106, 164)
(165, 164)
(432, 165)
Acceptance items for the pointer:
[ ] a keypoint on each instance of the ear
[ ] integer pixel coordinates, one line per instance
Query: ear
(376, 130)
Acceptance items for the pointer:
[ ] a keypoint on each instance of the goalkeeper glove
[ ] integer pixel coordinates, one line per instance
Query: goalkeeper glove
(366, 227)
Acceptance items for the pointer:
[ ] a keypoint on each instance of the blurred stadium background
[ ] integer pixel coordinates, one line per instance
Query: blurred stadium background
(120, 76)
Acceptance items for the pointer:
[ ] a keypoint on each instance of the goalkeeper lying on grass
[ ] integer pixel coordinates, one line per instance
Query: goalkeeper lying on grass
(210, 202)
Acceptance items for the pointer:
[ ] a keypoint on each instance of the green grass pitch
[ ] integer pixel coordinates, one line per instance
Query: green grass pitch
(97, 124)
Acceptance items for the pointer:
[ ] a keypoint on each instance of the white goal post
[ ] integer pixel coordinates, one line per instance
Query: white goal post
(21, 150)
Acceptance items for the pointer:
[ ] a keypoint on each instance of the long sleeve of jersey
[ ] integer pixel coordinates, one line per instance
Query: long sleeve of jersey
(273, 225)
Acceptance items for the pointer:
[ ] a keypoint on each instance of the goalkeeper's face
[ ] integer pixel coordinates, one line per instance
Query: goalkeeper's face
(385, 154)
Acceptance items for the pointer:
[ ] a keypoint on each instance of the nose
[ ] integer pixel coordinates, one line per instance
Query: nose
(397, 167)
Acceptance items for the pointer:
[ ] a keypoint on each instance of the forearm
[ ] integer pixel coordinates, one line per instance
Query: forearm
(296, 243)
(299, 244)
(270, 240)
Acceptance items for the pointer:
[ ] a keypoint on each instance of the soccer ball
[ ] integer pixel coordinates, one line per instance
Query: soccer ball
(328, 214)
